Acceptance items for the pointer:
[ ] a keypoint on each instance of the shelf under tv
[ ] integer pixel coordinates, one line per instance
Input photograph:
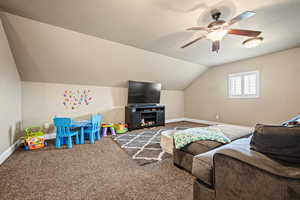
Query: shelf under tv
(140, 127)
(135, 116)
(149, 117)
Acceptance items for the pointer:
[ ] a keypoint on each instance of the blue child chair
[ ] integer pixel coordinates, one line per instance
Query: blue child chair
(64, 132)
(94, 129)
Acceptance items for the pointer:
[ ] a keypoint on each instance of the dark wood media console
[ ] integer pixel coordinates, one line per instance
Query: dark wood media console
(142, 116)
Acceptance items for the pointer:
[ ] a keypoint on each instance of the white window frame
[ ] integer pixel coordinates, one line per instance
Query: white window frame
(242, 75)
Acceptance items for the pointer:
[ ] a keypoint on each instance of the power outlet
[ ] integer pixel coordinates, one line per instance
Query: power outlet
(217, 116)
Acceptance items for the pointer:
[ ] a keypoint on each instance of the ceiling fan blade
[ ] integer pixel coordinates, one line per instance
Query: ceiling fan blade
(240, 17)
(197, 29)
(192, 42)
(248, 33)
(216, 46)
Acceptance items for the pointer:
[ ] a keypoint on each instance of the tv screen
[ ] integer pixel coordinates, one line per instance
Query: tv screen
(143, 92)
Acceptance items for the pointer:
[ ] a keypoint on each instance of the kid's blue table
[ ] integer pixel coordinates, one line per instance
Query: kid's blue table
(81, 125)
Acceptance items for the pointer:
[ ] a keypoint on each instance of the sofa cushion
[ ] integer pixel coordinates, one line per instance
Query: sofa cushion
(242, 152)
(199, 147)
(230, 131)
(203, 167)
(278, 142)
(235, 132)
(203, 163)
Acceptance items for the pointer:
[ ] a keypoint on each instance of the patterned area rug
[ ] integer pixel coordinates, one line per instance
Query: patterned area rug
(144, 146)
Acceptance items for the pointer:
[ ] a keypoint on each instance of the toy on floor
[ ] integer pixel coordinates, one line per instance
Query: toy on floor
(121, 128)
(105, 126)
(34, 138)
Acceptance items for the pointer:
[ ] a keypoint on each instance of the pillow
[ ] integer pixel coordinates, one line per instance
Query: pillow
(278, 142)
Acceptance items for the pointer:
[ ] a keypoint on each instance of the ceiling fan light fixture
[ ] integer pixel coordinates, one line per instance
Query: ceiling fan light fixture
(217, 34)
(216, 30)
(253, 42)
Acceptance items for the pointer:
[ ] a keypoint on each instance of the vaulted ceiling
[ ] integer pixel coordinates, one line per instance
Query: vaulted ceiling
(45, 53)
(105, 43)
(158, 25)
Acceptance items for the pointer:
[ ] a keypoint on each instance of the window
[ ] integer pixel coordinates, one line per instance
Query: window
(243, 85)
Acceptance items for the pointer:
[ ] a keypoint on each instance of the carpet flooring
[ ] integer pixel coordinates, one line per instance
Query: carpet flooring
(91, 171)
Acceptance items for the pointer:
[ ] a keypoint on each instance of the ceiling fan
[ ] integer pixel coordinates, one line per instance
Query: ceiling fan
(217, 29)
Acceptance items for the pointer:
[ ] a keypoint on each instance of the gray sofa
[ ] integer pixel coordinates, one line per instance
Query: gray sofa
(234, 172)
(183, 158)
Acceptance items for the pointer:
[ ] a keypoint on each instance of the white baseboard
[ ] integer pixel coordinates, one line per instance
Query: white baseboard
(9, 151)
(202, 122)
(212, 122)
(174, 120)
(191, 120)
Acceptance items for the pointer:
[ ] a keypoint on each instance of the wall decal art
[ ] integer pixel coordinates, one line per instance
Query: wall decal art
(73, 99)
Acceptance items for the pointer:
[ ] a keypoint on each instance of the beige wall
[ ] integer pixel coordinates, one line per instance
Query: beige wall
(279, 94)
(42, 101)
(10, 91)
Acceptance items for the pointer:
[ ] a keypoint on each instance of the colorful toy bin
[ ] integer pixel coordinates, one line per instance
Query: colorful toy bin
(120, 128)
(34, 138)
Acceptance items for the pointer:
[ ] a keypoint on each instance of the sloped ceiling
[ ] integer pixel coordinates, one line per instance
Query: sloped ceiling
(46, 53)
(158, 25)
(106, 43)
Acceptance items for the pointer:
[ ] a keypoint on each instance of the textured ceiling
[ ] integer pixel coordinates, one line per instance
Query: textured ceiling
(158, 25)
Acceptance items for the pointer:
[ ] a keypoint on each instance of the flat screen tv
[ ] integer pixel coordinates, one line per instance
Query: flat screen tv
(143, 92)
